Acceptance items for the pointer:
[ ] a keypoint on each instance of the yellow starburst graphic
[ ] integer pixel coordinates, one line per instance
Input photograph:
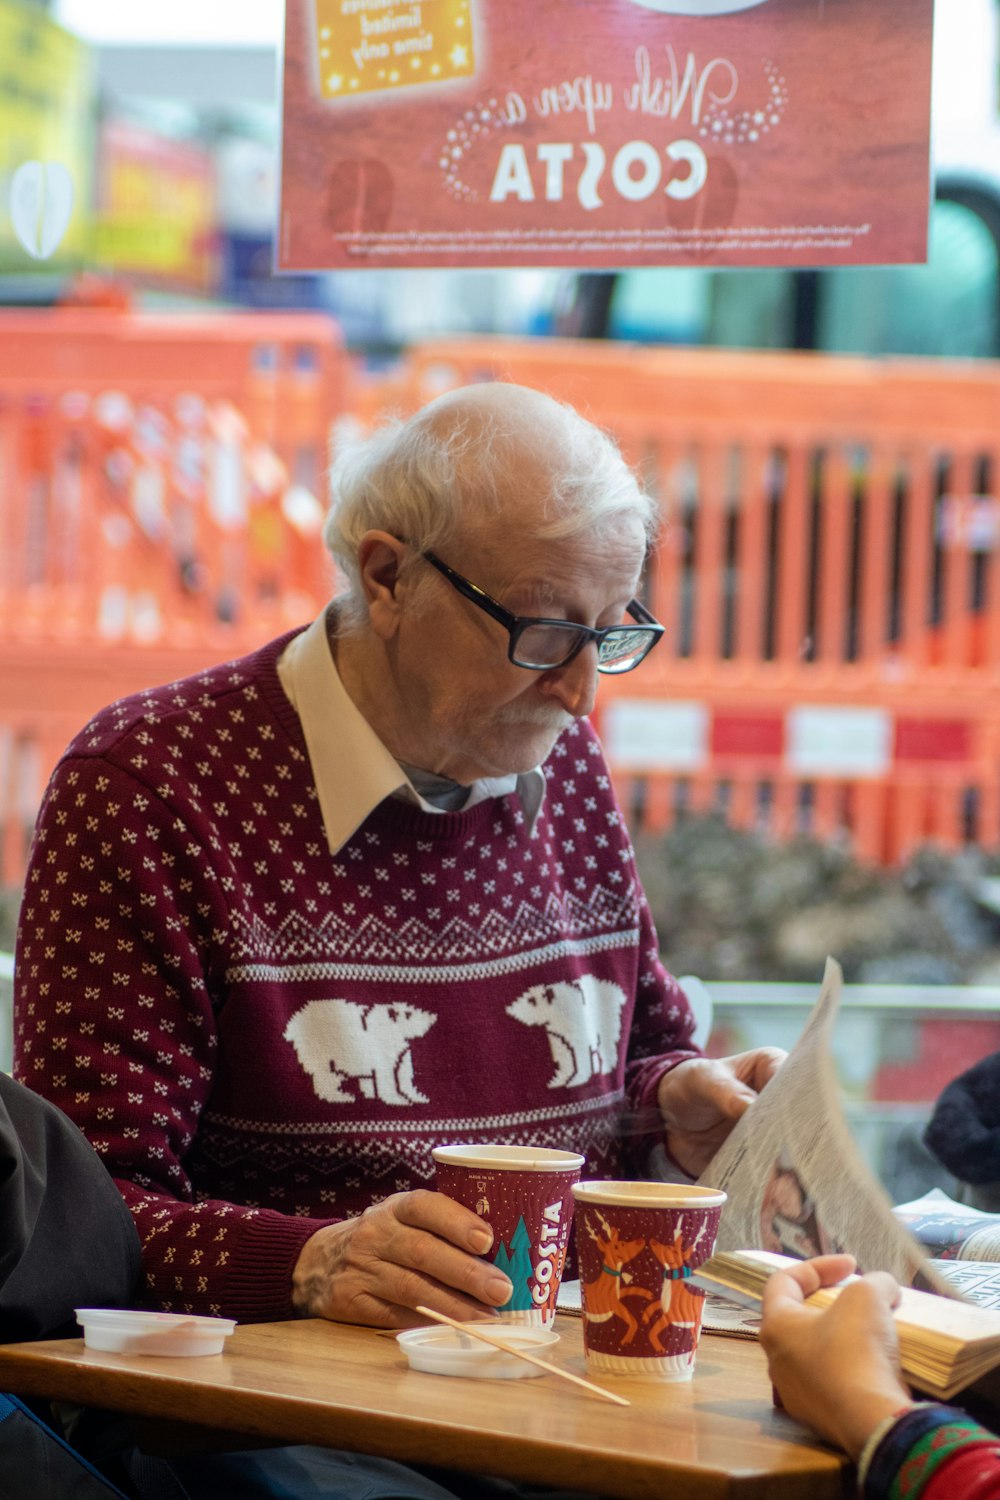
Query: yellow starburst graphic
(370, 46)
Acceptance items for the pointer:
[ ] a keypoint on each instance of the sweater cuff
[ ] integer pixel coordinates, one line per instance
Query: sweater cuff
(259, 1283)
(663, 1167)
(919, 1439)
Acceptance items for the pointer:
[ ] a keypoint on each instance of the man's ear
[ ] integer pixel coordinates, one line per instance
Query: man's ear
(380, 557)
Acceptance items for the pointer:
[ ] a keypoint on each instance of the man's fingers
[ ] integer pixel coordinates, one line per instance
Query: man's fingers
(416, 1252)
(767, 1066)
(756, 1067)
(379, 1267)
(734, 1099)
(443, 1216)
(388, 1295)
(411, 1290)
(702, 1092)
(424, 1235)
(693, 1095)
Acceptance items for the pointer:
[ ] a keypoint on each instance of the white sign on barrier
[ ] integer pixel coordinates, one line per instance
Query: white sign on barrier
(838, 741)
(643, 736)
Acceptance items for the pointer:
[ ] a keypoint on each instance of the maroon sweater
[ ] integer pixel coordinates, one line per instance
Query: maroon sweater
(259, 1037)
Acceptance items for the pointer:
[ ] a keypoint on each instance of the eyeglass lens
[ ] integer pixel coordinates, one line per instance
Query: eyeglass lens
(553, 644)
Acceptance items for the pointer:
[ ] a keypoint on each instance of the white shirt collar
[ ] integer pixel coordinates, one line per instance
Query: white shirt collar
(351, 767)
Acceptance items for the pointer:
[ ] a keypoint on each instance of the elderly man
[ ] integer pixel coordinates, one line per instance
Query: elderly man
(291, 922)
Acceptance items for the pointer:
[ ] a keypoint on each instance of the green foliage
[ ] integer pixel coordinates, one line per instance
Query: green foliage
(735, 905)
(10, 901)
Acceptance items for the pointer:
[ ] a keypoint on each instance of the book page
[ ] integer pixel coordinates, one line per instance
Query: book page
(797, 1183)
(944, 1344)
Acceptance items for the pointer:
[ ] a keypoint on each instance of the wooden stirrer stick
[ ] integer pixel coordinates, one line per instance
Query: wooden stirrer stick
(472, 1329)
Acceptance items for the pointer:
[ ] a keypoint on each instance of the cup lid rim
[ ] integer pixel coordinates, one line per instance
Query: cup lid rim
(143, 1320)
(527, 1336)
(649, 1194)
(500, 1158)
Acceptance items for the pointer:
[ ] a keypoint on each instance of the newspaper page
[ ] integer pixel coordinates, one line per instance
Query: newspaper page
(949, 1230)
(797, 1183)
(977, 1281)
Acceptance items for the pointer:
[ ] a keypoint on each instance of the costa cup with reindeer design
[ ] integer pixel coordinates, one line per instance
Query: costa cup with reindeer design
(523, 1193)
(637, 1244)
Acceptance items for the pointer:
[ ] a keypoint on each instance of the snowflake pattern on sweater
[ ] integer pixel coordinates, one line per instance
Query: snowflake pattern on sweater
(259, 1037)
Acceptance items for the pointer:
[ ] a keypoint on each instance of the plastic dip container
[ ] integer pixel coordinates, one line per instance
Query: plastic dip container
(117, 1331)
(445, 1351)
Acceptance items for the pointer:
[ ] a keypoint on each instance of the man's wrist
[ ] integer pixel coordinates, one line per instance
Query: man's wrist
(313, 1270)
(664, 1167)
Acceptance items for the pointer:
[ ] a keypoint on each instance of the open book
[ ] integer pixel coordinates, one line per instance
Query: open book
(944, 1345)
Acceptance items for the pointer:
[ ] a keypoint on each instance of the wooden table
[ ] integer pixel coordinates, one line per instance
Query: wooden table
(317, 1382)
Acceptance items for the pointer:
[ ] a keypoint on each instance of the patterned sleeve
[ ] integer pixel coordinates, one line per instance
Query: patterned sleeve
(114, 1022)
(660, 1039)
(932, 1452)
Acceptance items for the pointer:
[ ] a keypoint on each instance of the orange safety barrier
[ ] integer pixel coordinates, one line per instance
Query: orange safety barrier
(828, 570)
(162, 467)
(828, 573)
(163, 489)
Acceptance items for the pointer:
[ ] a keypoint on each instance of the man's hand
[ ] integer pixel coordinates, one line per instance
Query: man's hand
(701, 1100)
(836, 1369)
(412, 1248)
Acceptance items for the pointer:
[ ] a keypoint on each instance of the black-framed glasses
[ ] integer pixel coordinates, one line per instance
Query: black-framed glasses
(540, 645)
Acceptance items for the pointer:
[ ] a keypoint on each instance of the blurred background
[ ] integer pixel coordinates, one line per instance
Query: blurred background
(811, 762)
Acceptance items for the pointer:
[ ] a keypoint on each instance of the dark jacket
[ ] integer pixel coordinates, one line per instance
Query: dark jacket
(66, 1237)
(964, 1130)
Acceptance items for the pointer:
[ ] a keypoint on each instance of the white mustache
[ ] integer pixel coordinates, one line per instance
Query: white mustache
(554, 719)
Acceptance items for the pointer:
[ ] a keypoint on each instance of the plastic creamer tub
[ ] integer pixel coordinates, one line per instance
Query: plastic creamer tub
(116, 1331)
(446, 1351)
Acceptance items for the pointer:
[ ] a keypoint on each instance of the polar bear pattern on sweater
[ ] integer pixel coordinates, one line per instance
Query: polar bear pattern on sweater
(583, 1020)
(339, 1041)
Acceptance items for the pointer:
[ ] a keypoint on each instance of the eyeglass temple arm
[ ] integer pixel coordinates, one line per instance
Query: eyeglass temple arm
(641, 614)
(492, 606)
(472, 591)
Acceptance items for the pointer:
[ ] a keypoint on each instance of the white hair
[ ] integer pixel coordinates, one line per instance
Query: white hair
(455, 464)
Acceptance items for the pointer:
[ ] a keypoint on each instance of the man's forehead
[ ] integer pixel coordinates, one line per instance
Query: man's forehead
(543, 566)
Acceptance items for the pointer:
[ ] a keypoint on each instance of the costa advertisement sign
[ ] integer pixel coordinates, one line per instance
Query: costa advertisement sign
(605, 133)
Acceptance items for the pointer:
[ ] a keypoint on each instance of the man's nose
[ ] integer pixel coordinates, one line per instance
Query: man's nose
(574, 685)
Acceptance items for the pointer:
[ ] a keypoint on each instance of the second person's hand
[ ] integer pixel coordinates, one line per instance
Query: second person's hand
(836, 1369)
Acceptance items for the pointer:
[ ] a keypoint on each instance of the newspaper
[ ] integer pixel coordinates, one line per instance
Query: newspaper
(721, 1314)
(976, 1280)
(797, 1183)
(949, 1230)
